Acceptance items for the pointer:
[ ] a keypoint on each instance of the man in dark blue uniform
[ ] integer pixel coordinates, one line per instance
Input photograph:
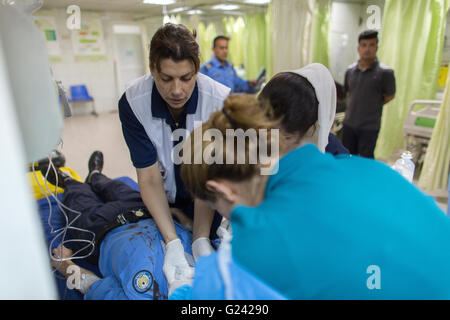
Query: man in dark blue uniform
(223, 71)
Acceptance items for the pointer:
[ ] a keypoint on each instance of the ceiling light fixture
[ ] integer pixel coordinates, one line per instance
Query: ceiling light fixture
(159, 2)
(257, 1)
(180, 9)
(194, 12)
(225, 7)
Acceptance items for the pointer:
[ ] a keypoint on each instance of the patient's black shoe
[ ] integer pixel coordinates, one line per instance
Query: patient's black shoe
(63, 177)
(95, 164)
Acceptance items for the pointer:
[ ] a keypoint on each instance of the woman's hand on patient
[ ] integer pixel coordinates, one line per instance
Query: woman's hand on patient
(176, 268)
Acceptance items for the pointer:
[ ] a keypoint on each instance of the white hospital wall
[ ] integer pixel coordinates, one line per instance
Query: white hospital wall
(98, 76)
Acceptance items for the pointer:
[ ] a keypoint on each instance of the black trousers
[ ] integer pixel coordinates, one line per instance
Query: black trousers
(359, 141)
(100, 202)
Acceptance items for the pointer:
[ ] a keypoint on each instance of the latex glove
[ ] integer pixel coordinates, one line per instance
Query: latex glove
(201, 247)
(176, 268)
(176, 284)
(224, 230)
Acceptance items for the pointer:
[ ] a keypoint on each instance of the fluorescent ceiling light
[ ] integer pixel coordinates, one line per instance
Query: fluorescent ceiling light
(160, 2)
(258, 1)
(194, 12)
(225, 7)
(180, 9)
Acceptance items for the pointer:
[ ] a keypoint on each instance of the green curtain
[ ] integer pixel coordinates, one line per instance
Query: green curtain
(254, 44)
(321, 31)
(206, 35)
(434, 175)
(412, 44)
(234, 29)
(250, 42)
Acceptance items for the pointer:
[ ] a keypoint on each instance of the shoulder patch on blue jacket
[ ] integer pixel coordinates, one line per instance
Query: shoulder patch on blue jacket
(142, 281)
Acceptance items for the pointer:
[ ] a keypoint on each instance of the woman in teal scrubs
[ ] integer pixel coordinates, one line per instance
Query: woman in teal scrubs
(323, 227)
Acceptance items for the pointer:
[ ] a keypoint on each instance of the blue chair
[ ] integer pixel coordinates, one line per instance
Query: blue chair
(80, 94)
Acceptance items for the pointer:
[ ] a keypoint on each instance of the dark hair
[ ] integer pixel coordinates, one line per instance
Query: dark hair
(176, 42)
(293, 99)
(218, 38)
(368, 34)
(245, 112)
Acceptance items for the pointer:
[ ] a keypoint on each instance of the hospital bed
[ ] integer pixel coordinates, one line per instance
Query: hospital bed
(57, 221)
(419, 125)
(338, 122)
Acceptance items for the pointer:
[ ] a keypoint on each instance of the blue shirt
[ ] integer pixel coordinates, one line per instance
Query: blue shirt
(131, 261)
(315, 237)
(143, 153)
(226, 75)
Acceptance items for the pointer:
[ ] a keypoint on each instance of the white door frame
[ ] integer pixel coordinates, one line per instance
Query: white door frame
(142, 32)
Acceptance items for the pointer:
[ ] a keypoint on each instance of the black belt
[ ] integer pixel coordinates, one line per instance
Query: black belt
(131, 216)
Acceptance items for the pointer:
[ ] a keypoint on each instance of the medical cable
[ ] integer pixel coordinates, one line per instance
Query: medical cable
(62, 232)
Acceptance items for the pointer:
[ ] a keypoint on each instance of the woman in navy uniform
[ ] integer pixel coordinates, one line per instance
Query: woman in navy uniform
(174, 96)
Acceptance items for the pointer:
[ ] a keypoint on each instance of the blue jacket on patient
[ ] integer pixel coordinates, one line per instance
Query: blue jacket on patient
(131, 261)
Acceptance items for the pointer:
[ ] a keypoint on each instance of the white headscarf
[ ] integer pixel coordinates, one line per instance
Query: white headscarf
(322, 81)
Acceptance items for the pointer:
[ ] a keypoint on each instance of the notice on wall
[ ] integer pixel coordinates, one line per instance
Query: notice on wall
(88, 42)
(47, 25)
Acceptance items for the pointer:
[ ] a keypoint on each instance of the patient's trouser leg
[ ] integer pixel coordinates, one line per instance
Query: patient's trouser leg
(94, 212)
(112, 190)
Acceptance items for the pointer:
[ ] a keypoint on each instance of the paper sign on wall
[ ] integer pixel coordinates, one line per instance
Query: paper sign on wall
(89, 41)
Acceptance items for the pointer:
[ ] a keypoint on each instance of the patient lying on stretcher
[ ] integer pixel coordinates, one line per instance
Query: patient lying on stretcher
(129, 253)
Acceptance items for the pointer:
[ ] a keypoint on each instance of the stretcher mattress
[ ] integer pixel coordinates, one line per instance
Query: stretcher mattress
(56, 222)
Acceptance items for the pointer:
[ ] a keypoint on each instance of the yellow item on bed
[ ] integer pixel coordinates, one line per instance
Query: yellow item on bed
(37, 191)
